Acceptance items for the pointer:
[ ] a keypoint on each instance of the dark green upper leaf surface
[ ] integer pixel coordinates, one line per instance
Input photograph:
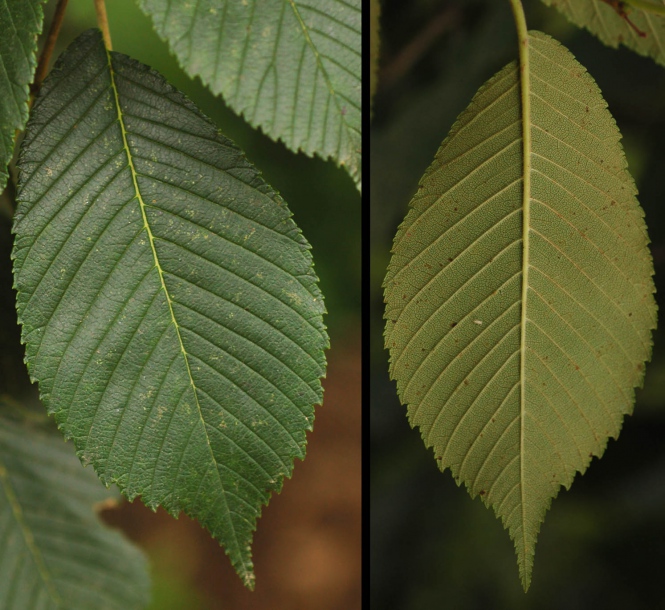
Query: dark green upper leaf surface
(54, 552)
(169, 307)
(20, 23)
(641, 30)
(291, 67)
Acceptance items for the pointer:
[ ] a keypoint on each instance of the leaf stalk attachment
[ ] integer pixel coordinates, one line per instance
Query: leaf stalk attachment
(103, 23)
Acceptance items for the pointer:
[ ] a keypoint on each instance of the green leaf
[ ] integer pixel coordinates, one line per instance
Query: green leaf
(54, 551)
(519, 295)
(289, 67)
(20, 23)
(639, 29)
(169, 307)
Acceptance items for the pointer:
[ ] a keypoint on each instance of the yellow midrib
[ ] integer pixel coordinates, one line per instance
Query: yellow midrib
(160, 271)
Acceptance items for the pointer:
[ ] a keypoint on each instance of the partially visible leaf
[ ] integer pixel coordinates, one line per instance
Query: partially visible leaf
(374, 12)
(641, 30)
(20, 23)
(519, 298)
(291, 67)
(54, 551)
(169, 307)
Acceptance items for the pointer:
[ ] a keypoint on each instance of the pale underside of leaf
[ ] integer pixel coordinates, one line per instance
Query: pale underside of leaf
(55, 553)
(291, 67)
(518, 384)
(604, 21)
(169, 307)
(20, 23)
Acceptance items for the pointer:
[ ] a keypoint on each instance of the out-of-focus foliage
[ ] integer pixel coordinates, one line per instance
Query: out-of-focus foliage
(618, 23)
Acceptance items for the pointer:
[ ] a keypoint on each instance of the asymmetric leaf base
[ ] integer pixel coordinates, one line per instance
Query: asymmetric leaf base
(519, 295)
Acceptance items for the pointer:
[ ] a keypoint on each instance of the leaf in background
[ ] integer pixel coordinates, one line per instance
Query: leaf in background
(20, 24)
(643, 31)
(169, 307)
(54, 551)
(374, 13)
(518, 332)
(289, 67)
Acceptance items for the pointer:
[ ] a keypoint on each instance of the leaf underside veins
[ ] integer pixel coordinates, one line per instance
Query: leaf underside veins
(169, 307)
(515, 379)
(291, 67)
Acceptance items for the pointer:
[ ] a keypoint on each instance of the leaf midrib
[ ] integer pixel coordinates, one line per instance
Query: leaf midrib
(525, 92)
(151, 240)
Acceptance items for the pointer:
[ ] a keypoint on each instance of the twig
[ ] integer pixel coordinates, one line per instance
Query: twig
(49, 45)
(103, 23)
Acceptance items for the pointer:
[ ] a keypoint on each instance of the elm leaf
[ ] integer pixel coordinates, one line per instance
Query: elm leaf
(519, 297)
(168, 303)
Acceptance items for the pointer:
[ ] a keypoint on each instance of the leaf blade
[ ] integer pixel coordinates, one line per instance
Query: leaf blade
(478, 348)
(193, 322)
(291, 68)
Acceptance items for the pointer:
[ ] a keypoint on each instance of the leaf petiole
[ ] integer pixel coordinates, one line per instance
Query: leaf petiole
(103, 23)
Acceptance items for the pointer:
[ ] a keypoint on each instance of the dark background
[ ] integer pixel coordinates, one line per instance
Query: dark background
(602, 544)
(307, 545)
